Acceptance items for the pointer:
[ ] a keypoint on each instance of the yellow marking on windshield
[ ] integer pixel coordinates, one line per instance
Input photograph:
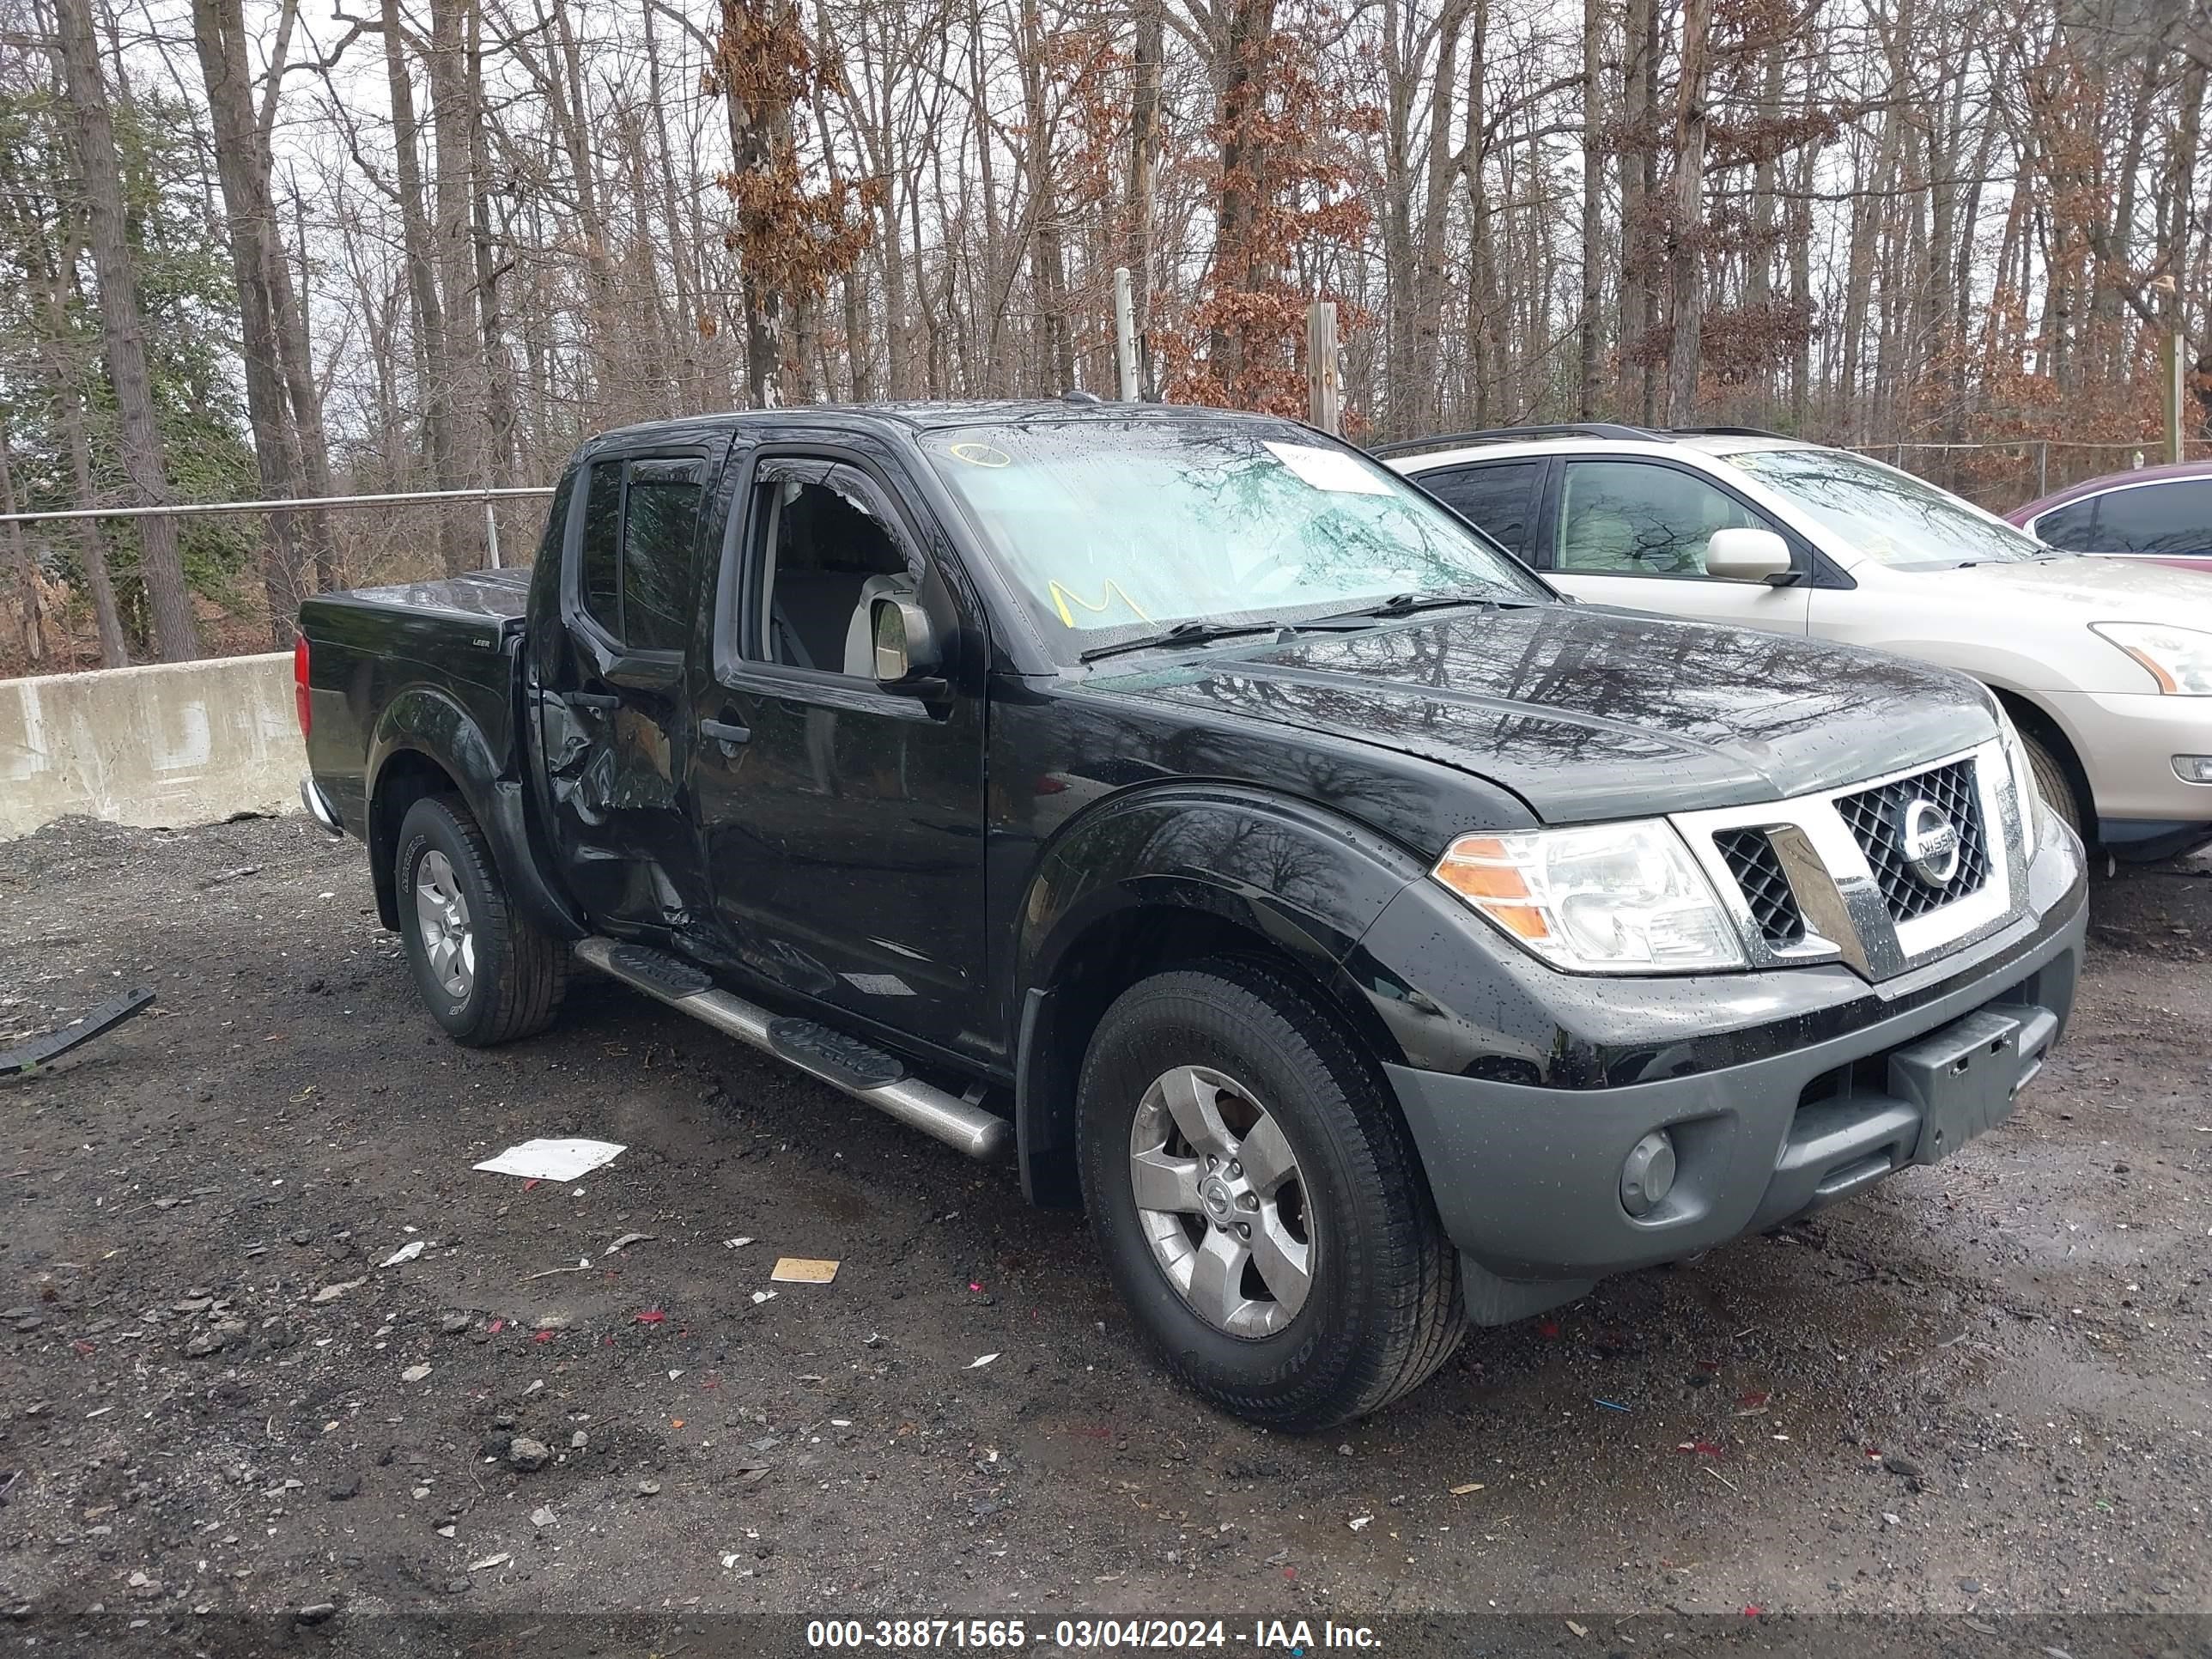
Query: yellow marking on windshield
(1106, 595)
(977, 454)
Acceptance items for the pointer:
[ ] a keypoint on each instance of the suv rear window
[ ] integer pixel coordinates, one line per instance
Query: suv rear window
(1499, 498)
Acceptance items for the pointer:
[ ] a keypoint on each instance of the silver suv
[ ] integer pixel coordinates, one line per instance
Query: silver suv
(2105, 665)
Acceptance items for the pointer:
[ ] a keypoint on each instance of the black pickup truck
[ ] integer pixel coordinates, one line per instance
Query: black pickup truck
(1371, 940)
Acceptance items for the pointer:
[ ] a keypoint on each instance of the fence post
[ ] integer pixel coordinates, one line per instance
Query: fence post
(2042, 468)
(1324, 387)
(491, 533)
(1125, 335)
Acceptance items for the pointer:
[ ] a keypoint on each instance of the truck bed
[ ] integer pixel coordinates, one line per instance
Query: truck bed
(393, 657)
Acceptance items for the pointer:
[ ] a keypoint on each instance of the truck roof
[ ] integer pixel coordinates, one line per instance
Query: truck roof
(919, 415)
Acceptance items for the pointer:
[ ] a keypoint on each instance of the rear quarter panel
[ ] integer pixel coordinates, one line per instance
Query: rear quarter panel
(430, 667)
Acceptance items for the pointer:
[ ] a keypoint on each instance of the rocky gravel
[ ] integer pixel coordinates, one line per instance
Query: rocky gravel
(237, 1408)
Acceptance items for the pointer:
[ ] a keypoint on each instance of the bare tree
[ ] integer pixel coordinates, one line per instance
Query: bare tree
(176, 631)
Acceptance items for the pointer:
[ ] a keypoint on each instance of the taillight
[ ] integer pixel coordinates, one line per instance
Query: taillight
(300, 686)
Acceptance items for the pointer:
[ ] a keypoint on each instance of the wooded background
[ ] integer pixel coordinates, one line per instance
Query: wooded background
(251, 249)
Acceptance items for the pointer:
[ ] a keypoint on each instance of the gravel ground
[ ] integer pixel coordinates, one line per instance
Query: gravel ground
(1980, 1393)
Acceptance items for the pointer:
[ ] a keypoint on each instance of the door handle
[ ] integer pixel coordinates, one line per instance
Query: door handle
(590, 700)
(723, 731)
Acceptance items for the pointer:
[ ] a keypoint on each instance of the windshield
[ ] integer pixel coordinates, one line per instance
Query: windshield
(1116, 529)
(1885, 513)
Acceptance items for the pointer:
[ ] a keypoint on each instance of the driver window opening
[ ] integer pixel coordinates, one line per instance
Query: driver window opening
(824, 561)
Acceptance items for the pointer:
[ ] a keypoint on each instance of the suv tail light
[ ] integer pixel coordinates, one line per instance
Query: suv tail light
(300, 686)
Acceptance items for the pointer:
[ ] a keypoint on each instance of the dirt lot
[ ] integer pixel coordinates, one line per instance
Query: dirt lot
(1980, 1393)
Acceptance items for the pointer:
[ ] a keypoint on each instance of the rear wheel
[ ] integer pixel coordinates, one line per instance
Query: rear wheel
(486, 974)
(2052, 782)
(1258, 1199)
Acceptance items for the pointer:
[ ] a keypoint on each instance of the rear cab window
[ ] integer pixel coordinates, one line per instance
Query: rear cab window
(637, 549)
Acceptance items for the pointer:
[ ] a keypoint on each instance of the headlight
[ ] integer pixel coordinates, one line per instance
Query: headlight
(2025, 794)
(2179, 659)
(1610, 898)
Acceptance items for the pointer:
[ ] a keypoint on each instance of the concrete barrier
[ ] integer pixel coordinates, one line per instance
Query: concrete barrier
(167, 744)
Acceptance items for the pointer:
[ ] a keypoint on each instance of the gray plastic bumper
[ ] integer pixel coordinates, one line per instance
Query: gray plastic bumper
(1527, 1180)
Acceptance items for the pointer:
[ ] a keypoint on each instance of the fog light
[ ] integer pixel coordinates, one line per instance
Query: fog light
(1649, 1175)
(2193, 768)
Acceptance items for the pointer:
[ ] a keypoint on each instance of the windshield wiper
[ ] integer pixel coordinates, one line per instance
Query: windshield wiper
(1183, 633)
(1405, 605)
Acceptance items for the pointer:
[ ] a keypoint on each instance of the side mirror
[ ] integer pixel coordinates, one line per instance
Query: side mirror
(907, 654)
(1744, 555)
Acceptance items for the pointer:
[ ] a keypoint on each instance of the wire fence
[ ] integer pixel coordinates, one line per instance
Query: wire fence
(394, 535)
(2000, 474)
(374, 538)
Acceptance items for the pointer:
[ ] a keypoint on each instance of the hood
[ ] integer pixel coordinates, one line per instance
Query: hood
(2096, 588)
(1587, 712)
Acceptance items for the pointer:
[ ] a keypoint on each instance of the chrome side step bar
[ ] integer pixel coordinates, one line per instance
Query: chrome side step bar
(960, 1124)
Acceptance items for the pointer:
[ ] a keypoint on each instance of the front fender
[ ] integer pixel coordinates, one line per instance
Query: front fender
(1120, 879)
(1308, 879)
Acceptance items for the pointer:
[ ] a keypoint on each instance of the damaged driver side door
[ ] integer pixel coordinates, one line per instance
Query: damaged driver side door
(609, 707)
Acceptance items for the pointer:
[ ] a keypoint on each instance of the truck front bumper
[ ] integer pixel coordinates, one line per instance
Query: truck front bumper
(1527, 1179)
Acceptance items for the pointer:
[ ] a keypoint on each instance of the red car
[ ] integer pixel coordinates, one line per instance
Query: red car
(2161, 512)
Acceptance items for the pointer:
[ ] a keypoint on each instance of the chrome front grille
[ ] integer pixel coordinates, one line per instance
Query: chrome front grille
(1766, 886)
(1877, 818)
(1865, 874)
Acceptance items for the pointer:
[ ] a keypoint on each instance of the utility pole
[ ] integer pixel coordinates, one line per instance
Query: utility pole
(1324, 385)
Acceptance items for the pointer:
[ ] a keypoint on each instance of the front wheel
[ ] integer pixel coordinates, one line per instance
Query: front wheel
(486, 974)
(1258, 1199)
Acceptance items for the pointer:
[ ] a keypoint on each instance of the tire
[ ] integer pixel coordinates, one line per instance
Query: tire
(486, 975)
(2053, 783)
(1379, 1309)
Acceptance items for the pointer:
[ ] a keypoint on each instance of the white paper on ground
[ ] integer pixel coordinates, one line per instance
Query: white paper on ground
(552, 1160)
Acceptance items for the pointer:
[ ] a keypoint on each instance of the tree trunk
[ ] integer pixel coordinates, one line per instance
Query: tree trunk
(1056, 365)
(1759, 276)
(1685, 252)
(432, 346)
(1243, 97)
(306, 400)
(91, 545)
(453, 118)
(1638, 163)
(32, 621)
(500, 418)
(219, 36)
(1593, 227)
(176, 634)
(1144, 162)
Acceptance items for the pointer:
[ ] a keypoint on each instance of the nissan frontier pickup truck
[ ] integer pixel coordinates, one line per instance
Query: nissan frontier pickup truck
(1182, 805)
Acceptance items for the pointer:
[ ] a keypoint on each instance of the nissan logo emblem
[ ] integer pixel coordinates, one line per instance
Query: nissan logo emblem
(1930, 843)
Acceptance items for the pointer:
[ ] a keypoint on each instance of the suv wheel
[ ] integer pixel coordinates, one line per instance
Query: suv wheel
(487, 974)
(1258, 1199)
